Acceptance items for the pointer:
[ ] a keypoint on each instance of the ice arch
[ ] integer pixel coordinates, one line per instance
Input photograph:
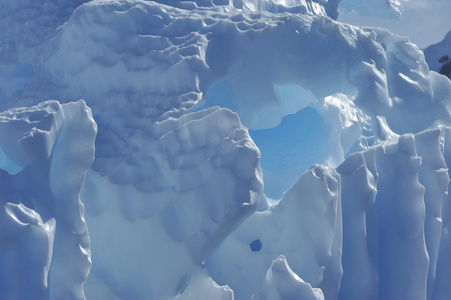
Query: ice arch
(300, 131)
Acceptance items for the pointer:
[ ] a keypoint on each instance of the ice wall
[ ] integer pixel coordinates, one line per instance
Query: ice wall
(397, 226)
(45, 252)
(305, 227)
(199, 178)
(182, 200)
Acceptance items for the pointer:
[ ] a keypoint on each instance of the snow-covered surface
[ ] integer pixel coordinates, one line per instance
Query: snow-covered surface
(235, 150)
(433, 53)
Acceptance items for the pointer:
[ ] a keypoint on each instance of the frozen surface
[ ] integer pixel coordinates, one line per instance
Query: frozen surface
(311, 209)
(235, 150)
(45, 251)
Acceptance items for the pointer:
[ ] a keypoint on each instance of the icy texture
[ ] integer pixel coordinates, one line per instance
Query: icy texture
(315, 7)
(398, 237)
(26, 26)
(45, 251)
(202, 180)
(312, 210)
(282, 283)
(442, 289)
(349, 125)
(359, 224)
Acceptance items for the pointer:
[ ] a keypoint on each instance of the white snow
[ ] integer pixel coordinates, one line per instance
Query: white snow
(245, 149)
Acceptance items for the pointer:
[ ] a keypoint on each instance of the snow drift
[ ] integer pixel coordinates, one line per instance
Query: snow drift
(243, 149)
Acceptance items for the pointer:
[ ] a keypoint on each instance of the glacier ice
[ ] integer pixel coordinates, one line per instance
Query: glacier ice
(312, 209)
(282, 283)
(392, 9)
(223, 149)
(45, 251)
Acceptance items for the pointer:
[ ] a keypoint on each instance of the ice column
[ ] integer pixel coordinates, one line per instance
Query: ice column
(402, 256)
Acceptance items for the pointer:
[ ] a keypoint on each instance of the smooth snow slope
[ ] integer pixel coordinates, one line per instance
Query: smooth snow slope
(177, 203)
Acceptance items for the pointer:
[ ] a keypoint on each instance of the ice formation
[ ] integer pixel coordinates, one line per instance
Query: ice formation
(245, 149)
(46, 152)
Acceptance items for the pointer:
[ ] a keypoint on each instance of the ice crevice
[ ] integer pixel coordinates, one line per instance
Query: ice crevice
(245, 149)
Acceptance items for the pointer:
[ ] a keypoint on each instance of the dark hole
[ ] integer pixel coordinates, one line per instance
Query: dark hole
(256, 245)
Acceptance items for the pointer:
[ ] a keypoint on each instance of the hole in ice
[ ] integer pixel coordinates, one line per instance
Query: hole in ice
(290, 148)
(256, 245)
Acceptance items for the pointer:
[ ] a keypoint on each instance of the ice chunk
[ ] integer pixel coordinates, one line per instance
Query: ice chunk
(282, 283)
(434, 177)
(305, 227)
(162, 221)
(46, 253)
(442, 288)
(29, 134)
(26, 252)
(358, 192)
(388, 221)
(201, 286)
(400, 209)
